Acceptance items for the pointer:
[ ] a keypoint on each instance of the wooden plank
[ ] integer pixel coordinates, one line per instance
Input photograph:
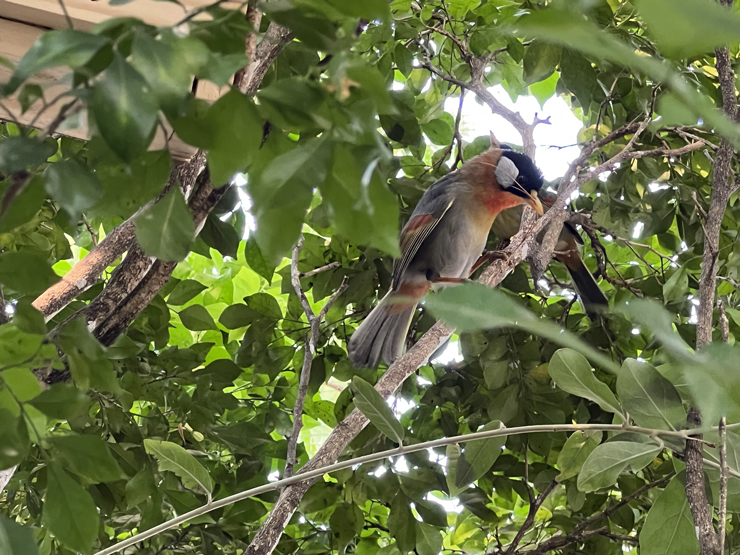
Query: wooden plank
(86, 13)
(17, 38)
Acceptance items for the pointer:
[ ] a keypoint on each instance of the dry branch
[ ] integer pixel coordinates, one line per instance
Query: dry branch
(312, 340)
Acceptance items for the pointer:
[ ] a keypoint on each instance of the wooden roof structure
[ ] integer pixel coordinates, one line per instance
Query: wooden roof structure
(21, 23)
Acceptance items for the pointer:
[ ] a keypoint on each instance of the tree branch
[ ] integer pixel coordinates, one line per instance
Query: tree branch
(534, 506)
(722, 188)
(309, 351)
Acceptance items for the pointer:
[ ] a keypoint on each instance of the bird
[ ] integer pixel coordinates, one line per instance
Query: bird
(567, 251)
(442, 242)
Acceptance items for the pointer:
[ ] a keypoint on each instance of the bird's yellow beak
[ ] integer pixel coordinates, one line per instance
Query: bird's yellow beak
(534, 202)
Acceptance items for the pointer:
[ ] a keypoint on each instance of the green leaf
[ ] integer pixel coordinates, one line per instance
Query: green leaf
(197, 318)
(432, 513)
(714, 382)
(73, 187)
(69, 511)
(545, 90)
(14, 440)
(364, 9)
(428, 539)
(479, 456)
(27, 319)
(184, 291)
(238, 138)
(56, 48)
(16, 539)
(282, 192)
(473, 306)
(401, 523)
(171, 456)
(669, 526)
(686, 28)
(654, 317)
(61, 401)
(17, 346)
(237, 316)
(87, 456)
(572, 373)
(373, 406)
(608, 460)
(166, 72)
(222, 372)
(404, 59)
(22, 205)
(257, 261)
(441, 130)
(576, 450)
(676, 286)
(124, 109)
(540, 61)
(220, 236)
(86, 356)
(453, 453)
(166, 229)
(265, 304)
(20, 153)
(26, 273)
(126, 187)
(649, 398)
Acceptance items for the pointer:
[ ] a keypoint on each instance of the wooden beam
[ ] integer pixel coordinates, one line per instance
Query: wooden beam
(23, 21)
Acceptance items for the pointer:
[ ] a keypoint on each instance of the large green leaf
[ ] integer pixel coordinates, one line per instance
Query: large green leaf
(473, 306)
(56, 48)
(14, 440)
(20, 153)
(401, 523)
(649, 398)
(479, 456)
(572, 373)
(686, 28)
(69, 511)
(16, 346)
(654, 317)
(714, 381)
(197, 318)
(428, 539)
(16, 539)
(171, 456)
(166, 229)
(576, 450)
(371, 404)
(609, 460)
(669, 526)
(73, 187)
(185, 291)
(238, 138)
(25, 272)
(124, 109)
(61, 401)
(540, 61)
(88, 456)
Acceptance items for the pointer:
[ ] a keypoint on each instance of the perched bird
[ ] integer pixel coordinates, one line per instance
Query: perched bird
(442, 241)
(567, 251)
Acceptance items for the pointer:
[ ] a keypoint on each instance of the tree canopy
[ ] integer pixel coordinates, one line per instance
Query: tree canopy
(173, 333)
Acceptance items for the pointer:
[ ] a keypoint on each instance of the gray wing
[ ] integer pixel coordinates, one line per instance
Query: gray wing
(430, 210)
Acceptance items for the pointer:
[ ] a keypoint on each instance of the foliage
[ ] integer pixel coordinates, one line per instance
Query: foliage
(346, 131)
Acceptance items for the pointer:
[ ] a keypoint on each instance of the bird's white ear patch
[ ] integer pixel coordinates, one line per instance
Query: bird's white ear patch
(506, 172)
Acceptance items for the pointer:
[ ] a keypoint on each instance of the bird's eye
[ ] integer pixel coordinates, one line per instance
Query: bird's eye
(506, 172)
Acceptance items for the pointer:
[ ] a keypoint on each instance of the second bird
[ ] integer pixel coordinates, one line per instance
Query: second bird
(442, 240)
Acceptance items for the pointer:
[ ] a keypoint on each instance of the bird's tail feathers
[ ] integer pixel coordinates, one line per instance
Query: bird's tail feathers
(592, 297)
(383, 333)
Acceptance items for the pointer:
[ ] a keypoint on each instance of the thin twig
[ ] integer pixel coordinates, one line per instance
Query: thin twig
(309, 351)
(534, 506)
(66, 14)
(326, 268)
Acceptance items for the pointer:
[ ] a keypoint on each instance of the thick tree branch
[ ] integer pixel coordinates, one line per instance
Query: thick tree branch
(722, 188)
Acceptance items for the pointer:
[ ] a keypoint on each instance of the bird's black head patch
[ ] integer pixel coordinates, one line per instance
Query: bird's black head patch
(517, 173)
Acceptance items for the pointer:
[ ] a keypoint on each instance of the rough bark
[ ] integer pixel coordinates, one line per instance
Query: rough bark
(722, 188)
